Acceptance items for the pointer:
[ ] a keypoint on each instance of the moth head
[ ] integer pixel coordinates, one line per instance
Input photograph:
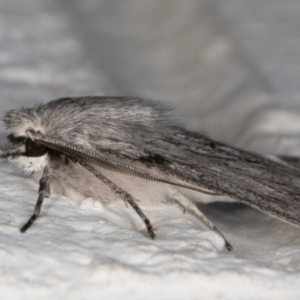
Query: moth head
(21, 124)
(32, 154)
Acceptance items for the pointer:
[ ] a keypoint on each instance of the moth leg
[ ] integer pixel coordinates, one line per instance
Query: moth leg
(189, 205)
(10, 153)
(44, 191)
(124, 196)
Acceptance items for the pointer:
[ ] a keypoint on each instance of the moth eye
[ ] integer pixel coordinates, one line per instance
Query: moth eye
(35, 148)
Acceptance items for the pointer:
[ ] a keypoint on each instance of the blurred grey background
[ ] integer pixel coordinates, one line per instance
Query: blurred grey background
(229, 67)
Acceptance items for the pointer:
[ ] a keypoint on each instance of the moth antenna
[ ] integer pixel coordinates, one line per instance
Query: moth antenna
(189, 205)
(44, 191)
(109, 164)
(123, 194)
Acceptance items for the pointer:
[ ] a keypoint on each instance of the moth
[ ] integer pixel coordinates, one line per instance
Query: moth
(112, 148)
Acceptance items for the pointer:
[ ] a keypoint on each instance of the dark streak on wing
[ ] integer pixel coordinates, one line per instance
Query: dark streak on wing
(151, 159)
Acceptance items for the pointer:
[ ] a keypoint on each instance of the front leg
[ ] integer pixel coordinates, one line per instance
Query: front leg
(44, 191)
(10, 153)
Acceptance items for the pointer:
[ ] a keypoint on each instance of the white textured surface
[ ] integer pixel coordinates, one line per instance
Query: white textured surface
(87, 251)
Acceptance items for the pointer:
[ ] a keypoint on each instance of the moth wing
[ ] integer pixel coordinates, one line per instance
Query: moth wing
(258, 181)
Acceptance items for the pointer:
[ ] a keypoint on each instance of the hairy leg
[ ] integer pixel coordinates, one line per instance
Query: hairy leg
(123, 194)
(6, 153)
(44, 191)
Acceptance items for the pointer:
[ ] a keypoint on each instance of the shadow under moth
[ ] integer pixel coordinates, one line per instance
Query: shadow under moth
(112, 148)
